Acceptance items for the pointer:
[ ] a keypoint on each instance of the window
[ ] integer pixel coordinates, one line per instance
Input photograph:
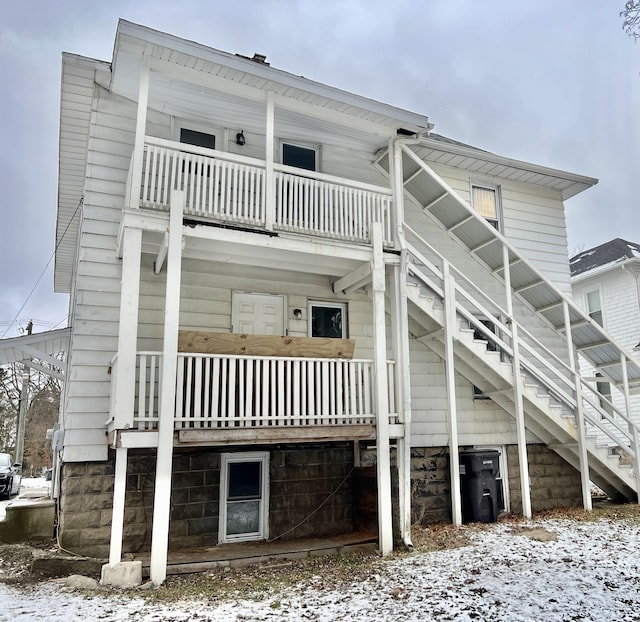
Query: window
(243, 496)
(198, 139)
(594, 306)
(485, 200)
(327, 320)
(604, 389)
(300, 156)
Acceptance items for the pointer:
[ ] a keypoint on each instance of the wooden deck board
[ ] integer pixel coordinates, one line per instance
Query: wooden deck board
(246, 553)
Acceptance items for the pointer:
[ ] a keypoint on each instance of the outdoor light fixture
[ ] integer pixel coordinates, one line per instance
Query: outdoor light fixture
(297, 313)
(240, 140)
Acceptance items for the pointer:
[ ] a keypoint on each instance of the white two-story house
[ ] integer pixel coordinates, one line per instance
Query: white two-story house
(606, 285)
(294, 310)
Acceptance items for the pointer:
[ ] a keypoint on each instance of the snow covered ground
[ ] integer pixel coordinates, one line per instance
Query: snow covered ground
(542, 570)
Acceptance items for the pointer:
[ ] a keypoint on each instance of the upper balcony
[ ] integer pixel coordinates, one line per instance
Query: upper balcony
(231, 189)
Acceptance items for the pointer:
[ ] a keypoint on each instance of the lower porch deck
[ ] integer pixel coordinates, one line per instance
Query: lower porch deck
(247, 553)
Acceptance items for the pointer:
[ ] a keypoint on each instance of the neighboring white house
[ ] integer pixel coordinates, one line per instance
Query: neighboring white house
(606, 285)
(293, 306)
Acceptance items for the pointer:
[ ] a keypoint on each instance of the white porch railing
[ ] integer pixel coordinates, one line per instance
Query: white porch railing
(224, 391)
(229, 188)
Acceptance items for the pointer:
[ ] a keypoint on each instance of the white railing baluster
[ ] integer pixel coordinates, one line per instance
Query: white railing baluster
(216, 399)
(142, 390)
(180, 389)
(206, 388)
(224, 390)
(197, 392)
(153, 366)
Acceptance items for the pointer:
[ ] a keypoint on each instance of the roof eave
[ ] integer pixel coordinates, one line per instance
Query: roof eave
(579, 182)
(405, 118)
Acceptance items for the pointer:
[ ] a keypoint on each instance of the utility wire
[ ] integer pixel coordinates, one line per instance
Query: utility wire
(33, 289)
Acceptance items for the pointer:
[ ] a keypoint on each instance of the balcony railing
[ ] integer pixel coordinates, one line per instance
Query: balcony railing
(224, 391)
(229, 188)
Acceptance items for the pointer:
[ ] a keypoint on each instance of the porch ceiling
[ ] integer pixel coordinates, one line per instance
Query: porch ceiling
(201, 83)
(277, 252)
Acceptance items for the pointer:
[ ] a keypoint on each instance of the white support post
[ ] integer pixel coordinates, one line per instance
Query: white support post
(517, 391)
(270, 185)
(385, 525)
(450, 375)
(397, 187)
(125, 380)
(633, 429)
(400, 328)
(579, 415)
(117, 516)
(162, 497)
(402, 378)
(141, 128)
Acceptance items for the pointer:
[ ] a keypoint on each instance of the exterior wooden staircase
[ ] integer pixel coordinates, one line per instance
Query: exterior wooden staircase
(525, 348)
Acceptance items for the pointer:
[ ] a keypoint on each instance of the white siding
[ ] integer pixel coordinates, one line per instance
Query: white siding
(620, 297)
(533, 220)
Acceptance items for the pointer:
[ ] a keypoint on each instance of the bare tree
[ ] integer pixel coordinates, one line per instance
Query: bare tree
(631, 17)
(43, 399)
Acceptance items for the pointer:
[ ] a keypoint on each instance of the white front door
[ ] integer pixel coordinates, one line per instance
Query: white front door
(257, 314)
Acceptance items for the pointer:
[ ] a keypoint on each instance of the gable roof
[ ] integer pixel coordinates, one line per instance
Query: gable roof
(610, 254)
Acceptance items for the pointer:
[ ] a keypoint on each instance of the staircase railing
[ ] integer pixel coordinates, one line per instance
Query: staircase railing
(537, 360)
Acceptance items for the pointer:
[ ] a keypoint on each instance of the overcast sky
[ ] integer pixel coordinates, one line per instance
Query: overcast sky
(554, 82)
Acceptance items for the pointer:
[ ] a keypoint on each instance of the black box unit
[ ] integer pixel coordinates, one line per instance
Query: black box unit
(481, 496)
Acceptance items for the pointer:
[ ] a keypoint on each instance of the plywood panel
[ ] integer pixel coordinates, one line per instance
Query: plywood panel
(264, 345)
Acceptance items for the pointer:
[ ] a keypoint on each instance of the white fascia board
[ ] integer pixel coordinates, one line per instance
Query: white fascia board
(238, 63)
(600, 270)
(487, 156)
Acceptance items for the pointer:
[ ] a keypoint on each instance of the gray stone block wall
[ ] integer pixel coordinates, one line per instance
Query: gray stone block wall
(430, 486)
(311, 490)
(310, 496)
(554, 482)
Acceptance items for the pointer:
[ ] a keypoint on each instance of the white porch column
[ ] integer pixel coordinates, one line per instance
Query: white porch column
(270, 185)
(125, 376)
(125, 370)
(400, 330)
(141, 128)
(579, 414)
(521, 432)
(452, 409)
(162, 497)
(385, 525)
(117, 517)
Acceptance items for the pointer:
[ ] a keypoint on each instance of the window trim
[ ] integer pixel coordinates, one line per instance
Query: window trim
(296, 143)
(498, 195)
(249, 456)
(327, 304)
